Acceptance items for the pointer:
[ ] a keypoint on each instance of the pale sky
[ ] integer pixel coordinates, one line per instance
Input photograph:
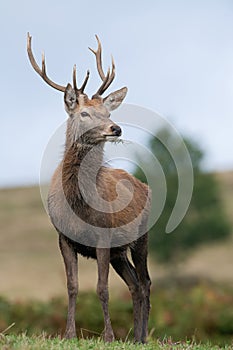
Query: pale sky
(175, 57)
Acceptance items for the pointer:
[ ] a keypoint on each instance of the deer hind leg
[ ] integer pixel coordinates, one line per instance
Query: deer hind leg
(128, 273)
(139, 254)
(103, 259)
(70, 260)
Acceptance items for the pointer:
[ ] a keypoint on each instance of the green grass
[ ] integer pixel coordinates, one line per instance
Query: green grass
(23, 342)
(202, 312)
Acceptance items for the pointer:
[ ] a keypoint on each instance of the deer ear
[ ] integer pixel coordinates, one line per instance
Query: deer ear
(70, 97)
(113, 100)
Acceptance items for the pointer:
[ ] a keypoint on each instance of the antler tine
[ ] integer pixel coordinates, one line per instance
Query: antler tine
(41, 72)
(107, 80)
(112, 75)
(81, 90)
(74, 78)
(101, 89)
(98, 55)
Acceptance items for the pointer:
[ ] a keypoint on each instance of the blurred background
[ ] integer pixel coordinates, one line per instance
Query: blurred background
(176, 57)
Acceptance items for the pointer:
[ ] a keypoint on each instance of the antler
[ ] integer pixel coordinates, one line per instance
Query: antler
(42, 72)
(107, 80)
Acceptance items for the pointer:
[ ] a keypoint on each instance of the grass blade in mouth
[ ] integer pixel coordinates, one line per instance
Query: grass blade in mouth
(116, 139)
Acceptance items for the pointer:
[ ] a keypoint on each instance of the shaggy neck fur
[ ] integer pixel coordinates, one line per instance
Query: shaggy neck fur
(81, 164)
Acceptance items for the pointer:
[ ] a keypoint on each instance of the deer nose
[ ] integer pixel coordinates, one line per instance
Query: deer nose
(116, 130)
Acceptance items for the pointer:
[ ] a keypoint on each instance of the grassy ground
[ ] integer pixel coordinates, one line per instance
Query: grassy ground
(181, 311)
(29, 253)
(41, 343)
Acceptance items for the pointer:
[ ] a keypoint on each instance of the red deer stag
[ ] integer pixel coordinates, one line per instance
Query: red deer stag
(97, 211)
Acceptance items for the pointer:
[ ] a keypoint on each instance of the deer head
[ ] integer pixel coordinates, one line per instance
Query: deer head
(89, 118)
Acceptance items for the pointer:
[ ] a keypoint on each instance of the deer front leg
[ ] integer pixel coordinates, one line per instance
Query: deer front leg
(103, 260)
(70, 259)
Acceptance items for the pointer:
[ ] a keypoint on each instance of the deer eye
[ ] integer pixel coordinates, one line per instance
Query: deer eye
(85, 114)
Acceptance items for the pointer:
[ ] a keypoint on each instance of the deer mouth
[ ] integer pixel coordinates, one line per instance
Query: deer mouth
(111, 138)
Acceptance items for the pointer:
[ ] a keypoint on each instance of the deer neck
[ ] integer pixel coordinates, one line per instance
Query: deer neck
(81, 164)
(84, 156)
(82, 160)
(78, 152)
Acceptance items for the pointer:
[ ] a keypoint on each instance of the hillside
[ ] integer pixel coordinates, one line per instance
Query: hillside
(31, 265)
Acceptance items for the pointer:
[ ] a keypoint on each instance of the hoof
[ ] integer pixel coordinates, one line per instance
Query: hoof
(108, 338)
(70, 334)
(140, 341)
